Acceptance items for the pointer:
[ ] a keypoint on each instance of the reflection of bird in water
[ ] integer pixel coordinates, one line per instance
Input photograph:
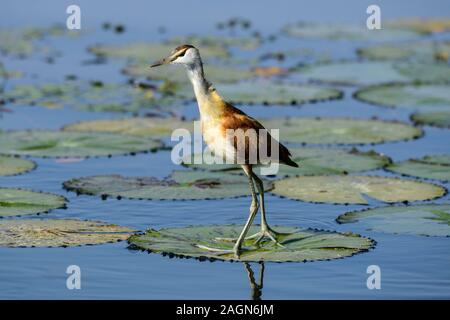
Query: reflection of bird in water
(217, 116)
(256, 287)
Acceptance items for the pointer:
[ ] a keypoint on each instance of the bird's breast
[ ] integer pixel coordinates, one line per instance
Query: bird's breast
(215, 138)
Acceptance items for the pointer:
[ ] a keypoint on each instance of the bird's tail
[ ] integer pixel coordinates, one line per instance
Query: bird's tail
(288, 161)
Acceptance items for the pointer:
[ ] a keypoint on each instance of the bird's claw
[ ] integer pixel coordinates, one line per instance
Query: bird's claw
(236, 251)
(266, 232)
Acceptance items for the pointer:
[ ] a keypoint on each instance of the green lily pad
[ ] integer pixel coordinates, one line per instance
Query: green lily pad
(216, 42)
(17, 202)
(375, 72)
(414, 96)
(440, 119)
(10, 166)
(8, 74)
(22, 42)
(346, 32)
(180, 185)
(147, 127)
(178, 78)
(441, 159)
(422, 220)
(299, 54)
(96, 96)
(276, 93)
(420, 50)
(421, 25)
(340, 130)
(311, 161)
(59, 233)
(429, 167)
(340, 189)
(149, 52)
(300, 245)
(44, 143)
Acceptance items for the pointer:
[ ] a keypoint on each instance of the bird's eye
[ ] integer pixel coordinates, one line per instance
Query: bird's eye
(182, 54)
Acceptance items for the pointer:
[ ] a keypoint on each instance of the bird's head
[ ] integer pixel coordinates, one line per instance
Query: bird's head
(186, 55)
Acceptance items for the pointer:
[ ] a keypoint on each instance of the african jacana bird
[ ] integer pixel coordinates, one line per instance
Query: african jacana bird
(217, 116)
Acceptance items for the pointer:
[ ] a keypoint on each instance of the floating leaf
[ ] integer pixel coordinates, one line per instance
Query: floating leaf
(11, 166)
(15, 202)
(148, 127)
(442, 159)
(95, 96)
(311, 161)
(7, 74)
(440, 119)
(425, 71)
(216, 42)
(340, 130)
(346, 32)
(342, 189)
(422, 220)
(301, 54)
(180, 185)
(276, 93)
(375, 72)
(426, 26)
(178, 77)
(300, 245)
(148, 52)
(43, 143)
(59, 233)
(429, 167)
(22, 42)
(422, 50)
(415, 96)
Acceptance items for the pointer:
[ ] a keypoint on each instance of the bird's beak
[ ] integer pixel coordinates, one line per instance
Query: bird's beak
(160, 62)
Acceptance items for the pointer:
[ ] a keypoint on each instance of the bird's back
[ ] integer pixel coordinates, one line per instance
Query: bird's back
(220, 117)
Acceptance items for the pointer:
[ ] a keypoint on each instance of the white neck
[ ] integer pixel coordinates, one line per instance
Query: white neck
(199, 83)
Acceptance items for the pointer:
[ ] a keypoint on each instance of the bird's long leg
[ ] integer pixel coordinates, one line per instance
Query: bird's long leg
(253, 211)
(266, 231)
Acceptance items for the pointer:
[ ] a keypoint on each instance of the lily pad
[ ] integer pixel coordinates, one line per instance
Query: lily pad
(94, 96)
(180, 185)
(7, 74)
(149, 52)
(420, 50)
(17, 202)
(440, 119)
(422, 220)
(10, 166)
(421, 25)
(340, 130)
(429, 167)
(340, 189)
(276, 93)
(441, 159)
(375, 72)
(22, 42)
(346, 32)
(59, 233)
(43, 143)
(413, 96)
(311, 161)
(178, 77)
(301, 245)
(147, 127)
(216, 41)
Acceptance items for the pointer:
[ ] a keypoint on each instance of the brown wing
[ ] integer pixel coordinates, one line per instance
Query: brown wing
(235, 119)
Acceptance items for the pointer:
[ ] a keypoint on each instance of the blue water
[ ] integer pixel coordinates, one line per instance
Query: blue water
(411, 266)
